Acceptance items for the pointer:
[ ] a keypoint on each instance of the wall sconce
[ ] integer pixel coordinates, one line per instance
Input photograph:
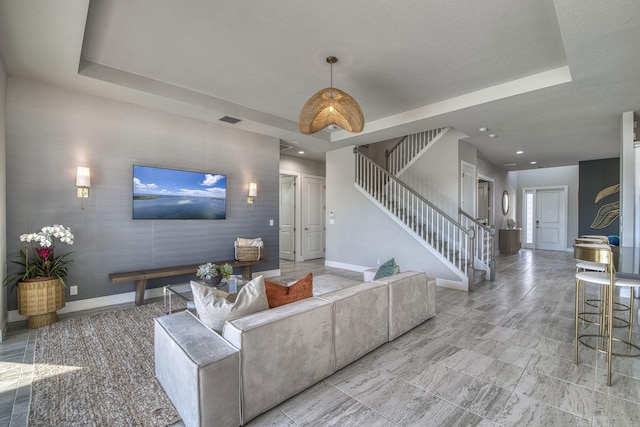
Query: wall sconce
(83, 182)
(253, 193)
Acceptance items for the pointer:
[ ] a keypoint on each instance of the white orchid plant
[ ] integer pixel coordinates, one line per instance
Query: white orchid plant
(37, 259)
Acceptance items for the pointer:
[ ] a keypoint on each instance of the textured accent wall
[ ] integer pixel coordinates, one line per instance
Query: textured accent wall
(599, 197)
(51, 130)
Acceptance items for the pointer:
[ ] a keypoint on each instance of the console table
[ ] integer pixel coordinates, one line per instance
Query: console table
(141, 276)
(510, 241)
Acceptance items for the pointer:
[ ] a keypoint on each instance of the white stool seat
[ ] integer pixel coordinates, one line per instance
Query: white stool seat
(589, 265)
(594, 277)
(627, 283)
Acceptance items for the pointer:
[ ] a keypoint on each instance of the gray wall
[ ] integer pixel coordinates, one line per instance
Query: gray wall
(3, 200)
(303, 166)
(362, 233)
(549, 177)
(51, 131)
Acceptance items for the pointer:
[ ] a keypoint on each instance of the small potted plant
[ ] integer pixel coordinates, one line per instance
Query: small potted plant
(212, 273)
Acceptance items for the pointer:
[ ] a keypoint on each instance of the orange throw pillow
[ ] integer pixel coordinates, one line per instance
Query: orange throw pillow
(278, 294)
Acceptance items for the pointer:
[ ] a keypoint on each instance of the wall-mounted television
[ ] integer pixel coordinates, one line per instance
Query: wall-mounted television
(160, 193)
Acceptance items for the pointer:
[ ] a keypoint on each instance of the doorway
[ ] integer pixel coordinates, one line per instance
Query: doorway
(302, 215)
(545, 218)
(485, 200)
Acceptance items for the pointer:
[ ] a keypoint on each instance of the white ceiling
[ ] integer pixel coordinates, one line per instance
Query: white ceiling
(550, 77)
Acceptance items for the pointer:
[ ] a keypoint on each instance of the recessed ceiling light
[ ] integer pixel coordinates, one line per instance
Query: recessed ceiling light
(483, 129)
(300, 152)
(493, 135)
(509, 164)
(519, 152)
(532, 163)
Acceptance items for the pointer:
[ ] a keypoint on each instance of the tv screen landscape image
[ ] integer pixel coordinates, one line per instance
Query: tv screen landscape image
(160, 193)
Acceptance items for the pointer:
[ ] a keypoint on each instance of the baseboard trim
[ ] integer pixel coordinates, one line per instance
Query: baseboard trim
(123, 298)
(343, 266)
(451, 284)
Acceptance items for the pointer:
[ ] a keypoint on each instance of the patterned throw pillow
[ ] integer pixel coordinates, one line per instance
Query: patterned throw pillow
(278, 294)
(214, 307)
(387, 269)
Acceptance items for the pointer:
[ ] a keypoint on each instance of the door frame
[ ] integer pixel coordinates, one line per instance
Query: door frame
(473, 188)
(293, 219)
(534, 190)
(492, 197)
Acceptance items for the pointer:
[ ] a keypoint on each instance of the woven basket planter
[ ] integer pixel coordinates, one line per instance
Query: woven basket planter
(248, 253)
(39, 299)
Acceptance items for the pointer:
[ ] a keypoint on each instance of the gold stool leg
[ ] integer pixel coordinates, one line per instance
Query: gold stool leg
(577, 303)
(632, 296)
(610, 330)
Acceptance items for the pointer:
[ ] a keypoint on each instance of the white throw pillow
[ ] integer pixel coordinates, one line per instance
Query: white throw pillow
(214, 308)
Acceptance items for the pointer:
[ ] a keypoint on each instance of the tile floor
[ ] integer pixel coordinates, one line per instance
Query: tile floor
(500, 356)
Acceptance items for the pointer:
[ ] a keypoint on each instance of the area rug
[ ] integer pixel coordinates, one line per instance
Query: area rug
(98, 370)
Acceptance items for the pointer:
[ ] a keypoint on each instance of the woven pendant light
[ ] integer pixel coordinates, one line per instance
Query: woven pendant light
(331, 106)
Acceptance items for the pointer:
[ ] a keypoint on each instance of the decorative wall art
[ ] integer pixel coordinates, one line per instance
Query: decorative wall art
(599, 197)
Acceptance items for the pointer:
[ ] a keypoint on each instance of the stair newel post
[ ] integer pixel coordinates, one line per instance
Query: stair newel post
(492, 255)
(472, 251)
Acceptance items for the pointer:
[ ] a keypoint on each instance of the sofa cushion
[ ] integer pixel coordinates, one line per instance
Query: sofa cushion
(279, 294)
(284, 351)
(215, 307)
(360, 320)
(387, 269)
(411, 301)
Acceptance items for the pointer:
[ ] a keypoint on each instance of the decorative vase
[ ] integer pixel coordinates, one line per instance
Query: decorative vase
(39, 299)
(214, 281)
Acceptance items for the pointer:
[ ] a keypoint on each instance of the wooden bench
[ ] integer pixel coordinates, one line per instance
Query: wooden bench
(141, 276)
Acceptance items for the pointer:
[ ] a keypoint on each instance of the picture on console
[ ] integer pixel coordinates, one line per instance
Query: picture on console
(160, 193)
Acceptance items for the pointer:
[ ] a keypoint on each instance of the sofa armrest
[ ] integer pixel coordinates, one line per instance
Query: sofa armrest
(199, 370)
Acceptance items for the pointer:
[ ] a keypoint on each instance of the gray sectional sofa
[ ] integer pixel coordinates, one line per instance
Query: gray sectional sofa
(262, 359)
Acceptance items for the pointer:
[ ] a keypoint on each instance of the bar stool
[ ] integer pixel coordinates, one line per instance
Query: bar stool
(603, 254)
(594, 266)
(597, 254)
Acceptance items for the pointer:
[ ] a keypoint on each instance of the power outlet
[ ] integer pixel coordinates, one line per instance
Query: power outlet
(378, 261)
(73, 290)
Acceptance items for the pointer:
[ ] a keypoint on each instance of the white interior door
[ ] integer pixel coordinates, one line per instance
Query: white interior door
(551, 219)
(468, 183)
(287, 217)
(313, 218)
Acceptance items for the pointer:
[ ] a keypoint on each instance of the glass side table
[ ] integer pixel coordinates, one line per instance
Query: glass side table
(231, 286)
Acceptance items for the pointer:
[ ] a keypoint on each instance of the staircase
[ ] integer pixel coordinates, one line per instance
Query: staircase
(466, 245)
(400, 156)
(434, 229)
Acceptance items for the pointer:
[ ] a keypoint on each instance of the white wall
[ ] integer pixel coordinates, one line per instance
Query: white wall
(302, 166)
(361, 232)
(435, 175)
(3, 200)
(629, 236)
(51, 131)
(548, 177)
